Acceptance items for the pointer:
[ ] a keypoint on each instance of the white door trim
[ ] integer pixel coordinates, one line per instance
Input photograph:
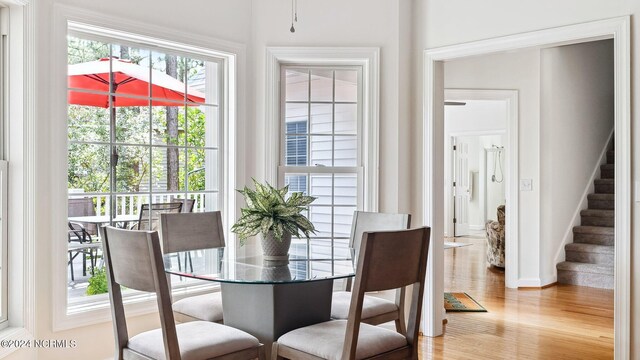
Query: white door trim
(511, 177)
(617, 29)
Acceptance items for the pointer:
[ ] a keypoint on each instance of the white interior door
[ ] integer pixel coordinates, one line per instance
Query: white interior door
(461, 188)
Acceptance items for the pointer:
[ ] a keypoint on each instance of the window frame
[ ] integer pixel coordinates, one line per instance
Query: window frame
(19, 153)
(369, 59)
(77, 306)
(358, 169)
(4, 166)
(152, 146)
(68, 19)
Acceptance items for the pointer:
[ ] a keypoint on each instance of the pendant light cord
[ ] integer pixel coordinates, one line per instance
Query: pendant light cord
(294, 15)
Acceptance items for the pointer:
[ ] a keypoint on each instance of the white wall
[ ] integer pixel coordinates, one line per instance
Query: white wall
(576, 118)
(515, 71)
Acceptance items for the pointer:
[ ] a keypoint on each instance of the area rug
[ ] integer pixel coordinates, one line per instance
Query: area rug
(461, 302)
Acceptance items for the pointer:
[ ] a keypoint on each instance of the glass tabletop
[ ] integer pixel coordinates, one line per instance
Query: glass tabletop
(216, 265)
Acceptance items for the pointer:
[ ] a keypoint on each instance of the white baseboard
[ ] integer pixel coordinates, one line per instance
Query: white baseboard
(530, 282)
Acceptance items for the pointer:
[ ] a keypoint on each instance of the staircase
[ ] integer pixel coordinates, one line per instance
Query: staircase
(590, 258)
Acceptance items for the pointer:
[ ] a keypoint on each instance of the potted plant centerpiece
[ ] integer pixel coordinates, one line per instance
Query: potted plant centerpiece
(270, 212)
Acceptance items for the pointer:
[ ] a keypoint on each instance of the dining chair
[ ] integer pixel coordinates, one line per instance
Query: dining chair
(375, 310)
(150, 214)
(185, 232)
(387, 260)
(134, 260)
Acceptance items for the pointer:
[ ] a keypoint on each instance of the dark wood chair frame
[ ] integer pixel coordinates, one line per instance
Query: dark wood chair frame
(377, 271)
(141, 268)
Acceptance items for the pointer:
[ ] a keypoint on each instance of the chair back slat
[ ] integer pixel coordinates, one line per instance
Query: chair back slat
(187, 205)
(388, 260)
(191, 231)
(131, 259)
(83, 207)
(394, 258)
(150, 214)
(134, 260)
(374, 221)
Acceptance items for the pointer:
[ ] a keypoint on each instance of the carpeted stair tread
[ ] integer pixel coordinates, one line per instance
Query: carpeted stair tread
(611, 156)
(603, 255)
(585, 268)
(607, 171)
(601, 197)
(595, 230)
(598, 213)
(590, 248)
(604, 186)
(604, 181)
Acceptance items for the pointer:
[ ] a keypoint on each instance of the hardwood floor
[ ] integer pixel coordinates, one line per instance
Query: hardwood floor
(559, 322)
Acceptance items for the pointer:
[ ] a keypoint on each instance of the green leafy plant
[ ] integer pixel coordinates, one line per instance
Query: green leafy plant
(269, 209)
(98, 282)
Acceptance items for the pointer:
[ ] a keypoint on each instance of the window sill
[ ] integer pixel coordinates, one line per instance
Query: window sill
(98, 311)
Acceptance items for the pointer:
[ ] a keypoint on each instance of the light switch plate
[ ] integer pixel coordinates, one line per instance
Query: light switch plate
(526, 185)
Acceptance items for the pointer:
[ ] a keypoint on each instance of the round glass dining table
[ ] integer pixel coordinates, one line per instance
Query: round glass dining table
(263, 298)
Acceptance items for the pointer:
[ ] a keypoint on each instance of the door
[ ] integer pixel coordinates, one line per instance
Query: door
(461, 187)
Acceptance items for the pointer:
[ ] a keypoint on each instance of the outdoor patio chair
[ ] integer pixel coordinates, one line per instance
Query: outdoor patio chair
(187, 204)
(387, 260)
(150, 214)
(134, 260)
(80, 242)
(82, 237)
(187, 207)
(375, 310)
(185, 233)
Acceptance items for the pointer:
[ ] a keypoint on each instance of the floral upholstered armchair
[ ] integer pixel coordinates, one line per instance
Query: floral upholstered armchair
(495, 239)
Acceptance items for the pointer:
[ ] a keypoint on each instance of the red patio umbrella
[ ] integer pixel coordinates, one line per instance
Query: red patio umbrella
(128, 79)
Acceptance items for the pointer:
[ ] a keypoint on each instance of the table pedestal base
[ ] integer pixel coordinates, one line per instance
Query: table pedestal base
(268, 311)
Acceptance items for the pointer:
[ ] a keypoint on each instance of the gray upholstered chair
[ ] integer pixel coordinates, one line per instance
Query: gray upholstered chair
(185, 232)
(134, 260)
(495, 239)
(387, 260)
(375, 310)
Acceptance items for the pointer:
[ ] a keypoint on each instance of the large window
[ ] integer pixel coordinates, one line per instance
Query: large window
(144, 130)
(321, 129)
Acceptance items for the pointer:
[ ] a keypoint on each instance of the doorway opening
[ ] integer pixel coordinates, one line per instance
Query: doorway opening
(616, 29)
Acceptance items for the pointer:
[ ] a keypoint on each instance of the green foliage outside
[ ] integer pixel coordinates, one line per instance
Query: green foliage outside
(269, 209)
(98, 282)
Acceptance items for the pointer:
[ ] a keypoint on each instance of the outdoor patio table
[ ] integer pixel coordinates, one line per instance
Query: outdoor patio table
(104, 219)
(265, 300)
